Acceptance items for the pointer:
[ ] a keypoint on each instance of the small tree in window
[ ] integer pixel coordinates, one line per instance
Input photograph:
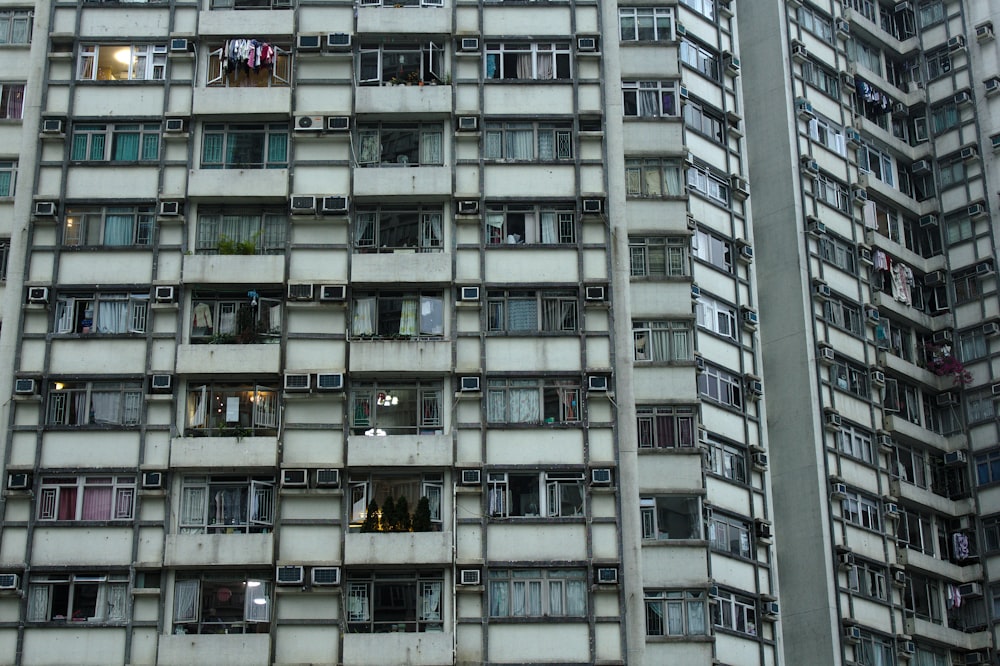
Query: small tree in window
(422, 516)
(389, 515)
(402, 521)
(370, 523)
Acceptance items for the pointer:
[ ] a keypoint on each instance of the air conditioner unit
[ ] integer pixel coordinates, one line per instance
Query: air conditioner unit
(799, 52)
(699, 362)
(467, 207)
(597, 383)
(294, 478)
(769, 609)
(52, 126)
(289, 575)
(991, 328)
(995, 388)
(332, 292)
(471, 477)
(804, 109)
(333, 204)
(469, 294)
(301, 204)
(973, 589)
(750, 317)
(920, 166)
(161, 383)
(593, 206)
(18, 481)
(759, 461)
(755, 387)
(984, 268)
(929, 220)
(877, 377)
(963, 98)
(594, 293)
(976, 211)
(338, 41)
(942, 337)
(898, 577)
(680, 29)
(885, 441)
(945, 399)
(843, 28)
(152, 480)
(586, 44)
(295, 381)
(822, 290)
(871, 313)
(984, 31)
(865, 255)
(24, 386)
(469, 44)
(9, 581)
(328, 478)
(180, 45)
(38, 294)
(860, 194)
(732, 63)
(600, 476)
(469, 384)
(899, 110)
(309, 42)
(170, 208)
(903, 7)
(338, 123)
(905, 647)
(684, 92)
(848, 79)
(469, 577)
(740, 185)
(955, 458)
(173, 125)
(826, 354)
(607, 575)
(969, 153)
(468, 123)
(163, 294)
(852, 634)
(325, 576)
(762, 529)
(329, 381)
(832, 419)
(45, 209)
(310, 123)
(300, 292)
(695, 292)
(811, 167)
(956, 43)
(992, 85)
(934, 278)
(845, 560)
(891, 509)
(746, 253)
(975, 658)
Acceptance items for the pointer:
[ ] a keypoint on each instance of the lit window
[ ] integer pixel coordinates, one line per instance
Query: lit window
(222, 602)
(226, 505)
(95, 403)
(122, 62)
(231, 410)
(379, 487)
(396, 408)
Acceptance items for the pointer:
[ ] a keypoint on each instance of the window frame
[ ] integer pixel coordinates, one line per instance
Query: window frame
(10, 19)
(728, 390)
(556, 311)
(714, 250)
(717, 317)
(706, 181)
(110, 595)
(103, 142)
(862, 510)
(59, 495)
(503, 222)
(662, 341)
(153, 66)
(380, 229)
(703, 119)
(856, 442)
(8, 178)
(660, 427)
(234, 137)
(727, 459)
(423, 322)
(63, 399)
(850, 377)
(558, 401)
(270, 75)
(251, 511)
(71, 313)
(689, 607)
(557, 494)
(667, 172)
(735, 612)
(730, 535)
(266, 228)
(221, 317)
(194, 600)
(369, 399)
(366, 591)
(260, 402)
(496, 54)
(675, 257)
(655, 15)
(844, 315)
(700, 58)
(11, 101)
(656, 512)
(636, 99)
(78, 226)
(868, 579)
(412, 142)
(503, 140)
(553, 585)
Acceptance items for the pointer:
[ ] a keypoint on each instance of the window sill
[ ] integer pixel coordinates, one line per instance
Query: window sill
(76, 624)
(666, 197)
(113, 163)
(685, 638)
(687, 543)
(651, 119)
(90, 427)
(535, 520)
(140, 82)
(514, 246)
(669, 450)
(494, 425)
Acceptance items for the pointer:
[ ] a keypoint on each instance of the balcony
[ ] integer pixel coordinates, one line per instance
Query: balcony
(417, 548)
(426, 99)
(223, 452)
(423, 450)
(218, 549)
(217, 649)
(421, 649)
(401, 266)
(251, 269)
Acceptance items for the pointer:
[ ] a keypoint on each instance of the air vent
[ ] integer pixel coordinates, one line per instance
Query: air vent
(309, 42)
(607, 575)
(173, 125)
(328, 478)
(471, 477)
(325, 576)
(333, 292)
(330, 381)
(289, 575)
(600, 476)
(469, 44)
(24, 386)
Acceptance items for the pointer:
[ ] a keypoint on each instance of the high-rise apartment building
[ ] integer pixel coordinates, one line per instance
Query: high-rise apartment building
(429, 332)
(873, 131)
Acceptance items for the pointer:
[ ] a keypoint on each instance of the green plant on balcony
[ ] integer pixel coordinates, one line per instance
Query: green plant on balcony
(422, 516)
(229, 245)
(371, 522)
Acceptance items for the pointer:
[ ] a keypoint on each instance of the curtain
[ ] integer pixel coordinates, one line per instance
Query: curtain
(555, 597)
(520, 144)
(544, 66)
(431, 315)
(493, 148)
(576, 598)
(653, 181)
(198, 419)
(80, 407)
(660, 343)
(522, 315)
(430, 148)
(546, 145)
(126, 147)
(118, 229)
(696, 617)
(273, 234)
(369, 148)
(648, 106)
(277, 149)
(106, 406)
(96, 503)
(492, 61)
(5, 181)
(67, 504)
(211, 150)
(494, 228)
(38, 603)
(499, 598)
(112, 316)
(430, 602)
(523, 66)
(550, 233)
(193, 506)
(524, 405)
(150, 147)
(675, 618)
(364, 232)
(672, 181)
(363, 320)
(116, 596)
(517, 606)
(431, 234)
(408, 316)
(256, 607)
(186, 601)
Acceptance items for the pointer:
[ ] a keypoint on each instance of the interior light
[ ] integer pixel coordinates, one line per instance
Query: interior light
(253, 583)
(260, 602)
(124, 56)
(60, 386)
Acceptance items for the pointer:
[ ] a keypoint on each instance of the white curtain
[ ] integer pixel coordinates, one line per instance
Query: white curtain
(117, 601)
(672, 181)
(520, 144)
(38, 603)
(193, 501)
(523, 67)
(648, 106)
(257, 607)
(369, 148)
(524, 405)
(118, 230)
(544, 66)
(408, 316)
(556, 597)
(64, 315)
(198, 419)
(696, 618)
(430, 148)
(186, 600)
(576, 598)
(550, 232)
(498, 598)
(112, 316)
(430, 598)
(522, 315)
(80, 405)
(363, 319)
(493, 148)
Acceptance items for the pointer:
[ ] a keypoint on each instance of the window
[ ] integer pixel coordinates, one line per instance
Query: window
(958, 228)
(721, 386)
(910, 466)
(527, 224)
(105, 497)
(379, 486)
(11, 101)
(116, 313)
(938, 63)
(727, 460)
(705, 180)
(991, 534)
(226, 504)
(712, 249)
(532, 401)
(538, 593)
(527, 141)
(403, 408)
(704, 7)
(868, 579)
(877, 163)
(855, 442)
(95, 403)
(980, 406)
(945, 117)
(398, 62)
(670, 517)
(15, 26)
(394, 601)
(122, 62)
(987, 468)
(108, 226)
(736, 612)
(927, 656)
(662, 341)
(240, 4)
(868, 56)
(966, 285)
(931, 12)
(4, 257)
(394, 144)
(832, 193)
(676, 612)
(666, 426)
(231, 410)
(522, 311)
(972, 345)
(862, 510)
(896, 338)
(650, 99)
(136, 142)
(874, 650)
(83, 598)
(849, 377)
(646, 24)
(703, 119)
(729, 534)
(950, 173)
(235, 318)
(829, 135)
(540, 61)
(8, 177)
(821, 78)
(653, 178)
(221, 602)
(229, 66)
(533, 494)
(922, 597)
(241, 231)
(838, 252)
(715, 316)
(916, 531)
(245, 146)
(658, 256)
(403, 3)
(390, 228)
(700, 59)
(820, 25)
(843, 315)
(398, 314)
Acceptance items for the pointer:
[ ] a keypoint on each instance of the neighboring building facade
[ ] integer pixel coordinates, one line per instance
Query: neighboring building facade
(873, 136)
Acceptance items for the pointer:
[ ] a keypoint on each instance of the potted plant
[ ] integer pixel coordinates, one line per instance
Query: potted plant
(370, 523)
(422, 516)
